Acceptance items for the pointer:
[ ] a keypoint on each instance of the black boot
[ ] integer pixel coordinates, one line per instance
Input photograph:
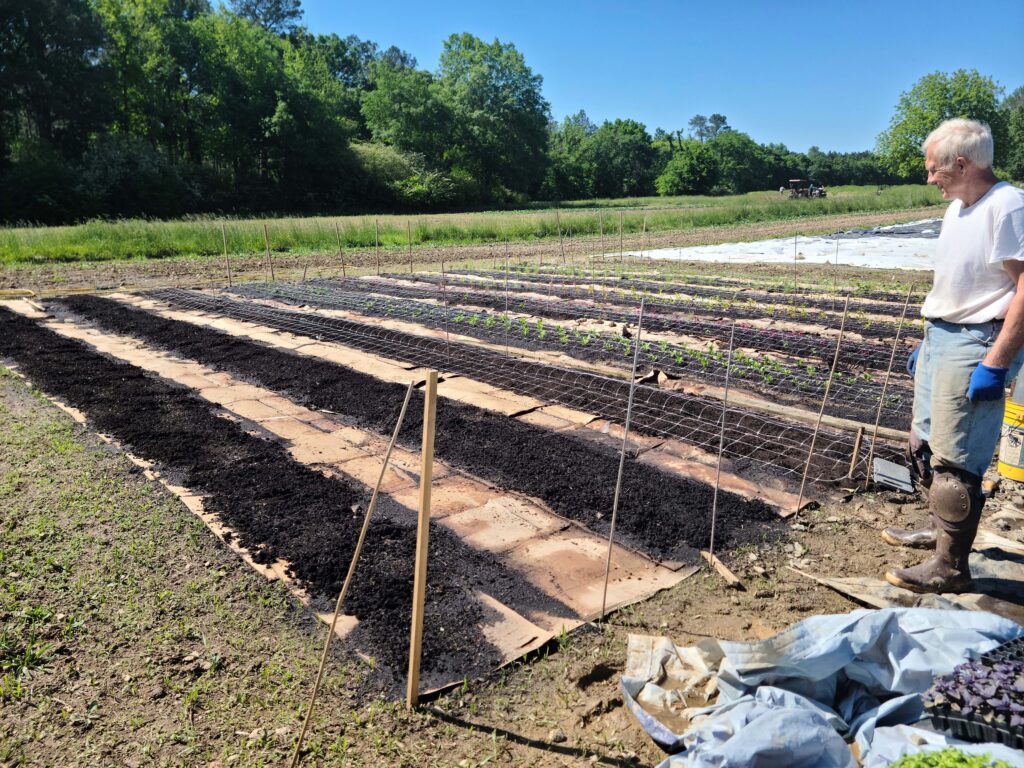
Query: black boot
(956, 501)
(946, 572)
(920, 538)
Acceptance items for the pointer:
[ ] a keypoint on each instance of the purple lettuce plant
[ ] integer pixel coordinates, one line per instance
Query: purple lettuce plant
(990, 692)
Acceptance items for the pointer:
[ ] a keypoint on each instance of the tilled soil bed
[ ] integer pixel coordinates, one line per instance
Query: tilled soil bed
(664, 515)
(756, 445)
(282, 509)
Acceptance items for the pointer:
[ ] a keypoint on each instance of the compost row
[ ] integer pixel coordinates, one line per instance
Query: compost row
(856, 399)
(754, 443)
(892, 307)
(791, 343)
(282, 509)
(665, 515)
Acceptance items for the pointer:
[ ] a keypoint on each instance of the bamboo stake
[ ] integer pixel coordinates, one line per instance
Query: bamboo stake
(835, 274)
(856, 452)
(885, 385)
(643, 237)
(721, 442)
(821, 411)
(348, 577)
(227, 259)
(505, 323)
(444, 297)
(419, 587)
(376, 243)
(622, 458)
(602, 235)
(341, 251)
(305, 266)
(408, 237)
(561, 245)
(270, 263)
(620, 236)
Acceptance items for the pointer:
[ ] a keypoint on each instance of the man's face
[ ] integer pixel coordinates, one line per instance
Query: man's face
(948, 180)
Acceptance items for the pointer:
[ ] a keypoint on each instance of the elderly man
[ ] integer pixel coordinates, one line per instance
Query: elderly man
(973, 336)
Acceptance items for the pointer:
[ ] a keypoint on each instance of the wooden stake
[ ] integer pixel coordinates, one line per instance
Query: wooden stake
(444, 296)
(341, 251)
(419, 586)
(643, 237)
(376, 243)
(620, 236)
(408, 237)
(602, 237)
(227, 259)
(821, 411)
(270, 263)
(348, 577)
(505, 322)
(721, 441)
(622, 457)
(856, 452)
(885, 385)
(561, 245)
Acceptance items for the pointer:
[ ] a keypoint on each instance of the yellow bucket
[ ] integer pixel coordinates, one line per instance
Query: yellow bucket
(1011, 447)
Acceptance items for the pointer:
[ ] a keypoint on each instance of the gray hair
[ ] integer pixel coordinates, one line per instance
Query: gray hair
(970, 139)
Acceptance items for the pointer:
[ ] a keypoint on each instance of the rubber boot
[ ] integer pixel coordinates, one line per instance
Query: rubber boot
(956, 501)
(920, 538)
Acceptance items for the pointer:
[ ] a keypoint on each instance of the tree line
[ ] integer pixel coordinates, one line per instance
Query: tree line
(160, 108)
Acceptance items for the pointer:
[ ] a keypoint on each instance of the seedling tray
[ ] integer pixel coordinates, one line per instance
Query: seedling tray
(1013, 650)
(970, 729)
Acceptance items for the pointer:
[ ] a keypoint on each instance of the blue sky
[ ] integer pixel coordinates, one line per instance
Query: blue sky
(822, 73)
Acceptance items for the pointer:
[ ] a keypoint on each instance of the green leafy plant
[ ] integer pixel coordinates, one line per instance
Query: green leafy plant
(948, 758)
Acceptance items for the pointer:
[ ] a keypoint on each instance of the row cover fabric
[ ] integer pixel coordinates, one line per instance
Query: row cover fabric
(795, 699)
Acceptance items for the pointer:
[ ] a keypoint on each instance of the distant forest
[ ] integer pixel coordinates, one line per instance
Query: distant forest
(162, 108)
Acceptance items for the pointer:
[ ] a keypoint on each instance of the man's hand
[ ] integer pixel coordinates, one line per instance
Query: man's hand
(987, 383)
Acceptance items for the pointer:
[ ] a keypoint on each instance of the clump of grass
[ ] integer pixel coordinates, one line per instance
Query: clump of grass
(201, 236)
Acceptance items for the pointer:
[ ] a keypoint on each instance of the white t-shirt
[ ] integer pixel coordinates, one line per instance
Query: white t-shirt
(971, 285)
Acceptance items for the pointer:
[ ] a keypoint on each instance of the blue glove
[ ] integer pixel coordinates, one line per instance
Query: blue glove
(912, 361)
(987, 383)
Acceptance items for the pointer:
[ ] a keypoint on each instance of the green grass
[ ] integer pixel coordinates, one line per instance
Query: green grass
(201, 237)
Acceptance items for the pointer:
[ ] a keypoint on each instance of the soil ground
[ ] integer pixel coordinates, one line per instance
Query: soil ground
(144, 641)
(157, 646)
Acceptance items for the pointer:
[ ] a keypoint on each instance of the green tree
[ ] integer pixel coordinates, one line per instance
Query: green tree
(743, 163)
(1013, 111)
(499, 115)
(692, 170)
(934, 98)
(278, 16)
(570, 173)
(622, 157)
(53, 75)
(405, 110)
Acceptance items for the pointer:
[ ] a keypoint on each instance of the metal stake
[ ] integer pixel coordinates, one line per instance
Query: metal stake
(620, 236)
(348, 577)
(561, 245)
(885, 385)
(376, 243)
(408, 235)
(821, 411)
(622, 458)
(270, 261)
(505, 323)
(444, 297)
(721, 441)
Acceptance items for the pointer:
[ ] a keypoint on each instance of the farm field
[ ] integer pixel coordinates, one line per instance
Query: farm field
(264, 402)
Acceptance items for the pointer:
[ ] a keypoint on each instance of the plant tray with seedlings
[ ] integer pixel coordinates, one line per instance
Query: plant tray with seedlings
(980, 701)
(948, 758)
(1012, 650)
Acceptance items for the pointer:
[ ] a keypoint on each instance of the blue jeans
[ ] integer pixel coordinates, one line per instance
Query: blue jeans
(962, 435)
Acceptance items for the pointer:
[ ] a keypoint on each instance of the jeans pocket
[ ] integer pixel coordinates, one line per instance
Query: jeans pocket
(981, 333)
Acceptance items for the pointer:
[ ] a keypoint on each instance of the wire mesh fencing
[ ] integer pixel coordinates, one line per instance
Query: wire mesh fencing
(853, 396)
(754, 444)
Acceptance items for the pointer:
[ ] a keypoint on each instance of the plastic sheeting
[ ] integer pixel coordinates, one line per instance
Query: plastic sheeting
(794, 699)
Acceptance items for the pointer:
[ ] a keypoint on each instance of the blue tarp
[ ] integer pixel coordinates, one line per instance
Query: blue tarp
(795, 699)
